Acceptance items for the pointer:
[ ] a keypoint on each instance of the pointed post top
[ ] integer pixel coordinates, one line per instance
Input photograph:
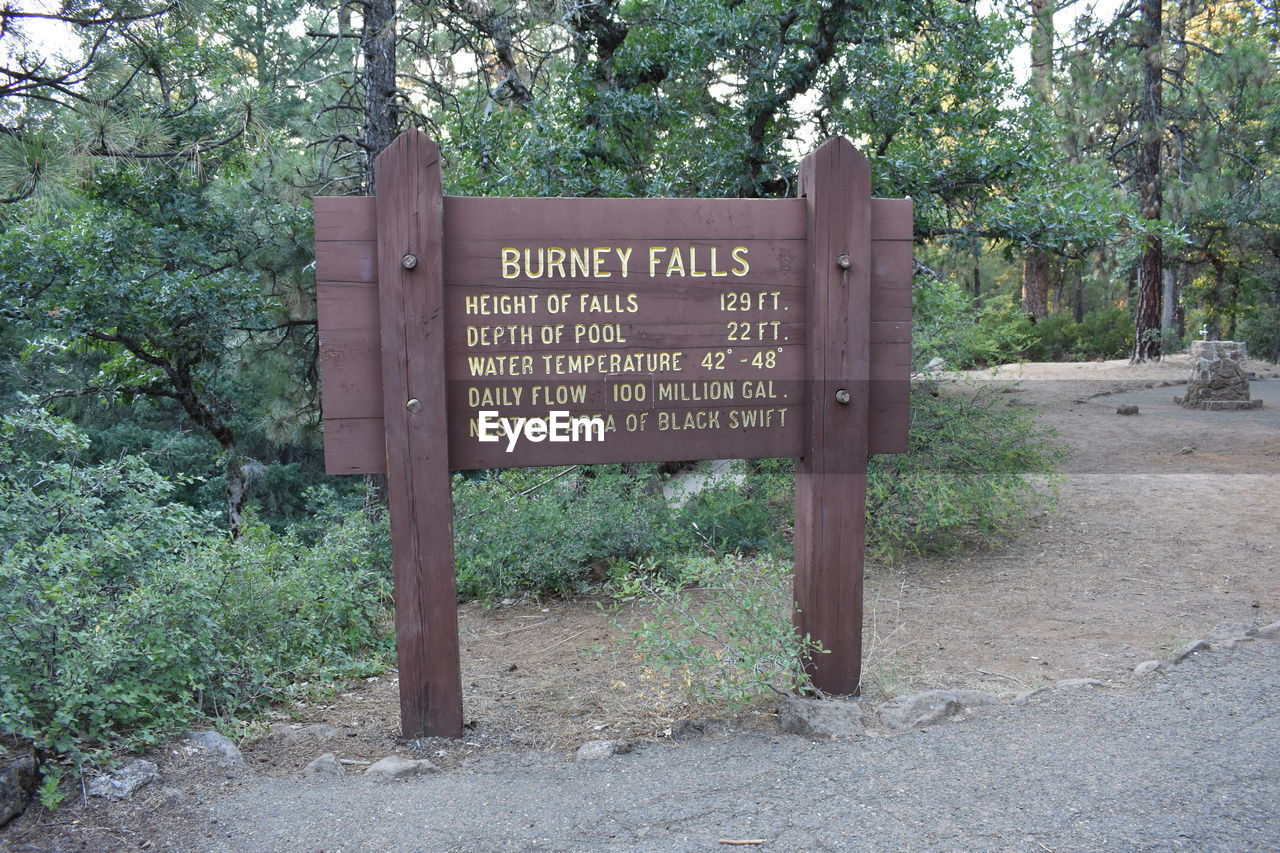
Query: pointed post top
(411, 143)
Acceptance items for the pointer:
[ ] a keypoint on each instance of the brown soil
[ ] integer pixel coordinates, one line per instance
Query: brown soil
(1166, 523)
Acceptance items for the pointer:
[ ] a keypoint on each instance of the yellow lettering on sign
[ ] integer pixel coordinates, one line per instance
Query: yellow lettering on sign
(695, 391)
(488, 398)
(695, 419)
(693, 264)
(500, 365)
(597, 262)
(528, 267)
(676, 264)
(557, 395)
(555, 261)
(654, 260)
(598, 333)
(608, 303)
(492, 336)
(510, 263)
(610, 363)
(757, 418)
(716, 272)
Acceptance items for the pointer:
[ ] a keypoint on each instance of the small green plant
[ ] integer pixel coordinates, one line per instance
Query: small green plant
(51, 793)
(728, 635)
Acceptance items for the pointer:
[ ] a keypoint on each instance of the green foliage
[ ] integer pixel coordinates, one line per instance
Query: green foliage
(1101, 334)
(127, 615)
(50, 792)
(723, 630)
(534, 530)
(946, 326)
(739, 513)
(969, 476)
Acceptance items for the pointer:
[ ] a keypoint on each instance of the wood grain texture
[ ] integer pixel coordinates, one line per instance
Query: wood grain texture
(342, 217)
(891, 273)
(515, 220)
(346, 274)
(410, 217)
(831, 476)
(892, 219)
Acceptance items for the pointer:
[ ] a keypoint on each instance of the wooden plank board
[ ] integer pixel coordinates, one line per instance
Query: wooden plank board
(892, 219)
(411, 297)
(513, 220)
(346, 295)
(354, 446)
(889, 413)
(831, 476)
(345, 218)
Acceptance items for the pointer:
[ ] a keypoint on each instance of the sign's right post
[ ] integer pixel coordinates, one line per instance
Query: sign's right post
(831, 478)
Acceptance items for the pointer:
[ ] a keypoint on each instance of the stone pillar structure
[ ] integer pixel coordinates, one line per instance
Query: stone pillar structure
(1218, 378)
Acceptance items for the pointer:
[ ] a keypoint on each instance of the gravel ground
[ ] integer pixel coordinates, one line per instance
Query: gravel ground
(1189, 760)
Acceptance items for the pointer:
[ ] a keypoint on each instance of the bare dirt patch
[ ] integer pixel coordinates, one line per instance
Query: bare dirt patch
(1167, 523)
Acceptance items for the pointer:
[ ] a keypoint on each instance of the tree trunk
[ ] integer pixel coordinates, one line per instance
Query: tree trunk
(1035, 283)
(1275, 343)
(1035, 266)
(381, 121)
(1146, 339)
(237, 493)
(1169, 300)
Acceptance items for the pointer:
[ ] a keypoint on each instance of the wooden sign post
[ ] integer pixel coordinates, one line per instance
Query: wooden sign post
(462, 333)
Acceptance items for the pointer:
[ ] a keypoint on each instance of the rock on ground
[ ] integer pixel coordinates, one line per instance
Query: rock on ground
(393, 768)
(1145, 668)
(326, 766)
(690, 729)
(929, 707)
(219, 746)
(122, 784)
(1190, 649)
(1227, 635)
(593, 750)
(821, 718)
(320, 731)
(17, 783)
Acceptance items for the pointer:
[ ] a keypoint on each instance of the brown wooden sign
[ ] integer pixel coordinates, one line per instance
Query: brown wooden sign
(495, 332)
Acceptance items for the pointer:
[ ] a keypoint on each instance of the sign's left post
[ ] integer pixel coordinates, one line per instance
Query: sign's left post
(410, 217)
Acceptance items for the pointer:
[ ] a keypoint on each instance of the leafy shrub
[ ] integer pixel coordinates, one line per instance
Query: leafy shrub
(968, 477)
(127, 615)
(723, 630)
(946, 325)
(744, 512)
(537, 530)
(965, 478)
(1107, 333)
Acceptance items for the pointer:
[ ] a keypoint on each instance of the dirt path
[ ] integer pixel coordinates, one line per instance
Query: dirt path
(1168, 523)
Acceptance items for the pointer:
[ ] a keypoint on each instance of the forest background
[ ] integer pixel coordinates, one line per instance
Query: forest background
(1086, 185)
